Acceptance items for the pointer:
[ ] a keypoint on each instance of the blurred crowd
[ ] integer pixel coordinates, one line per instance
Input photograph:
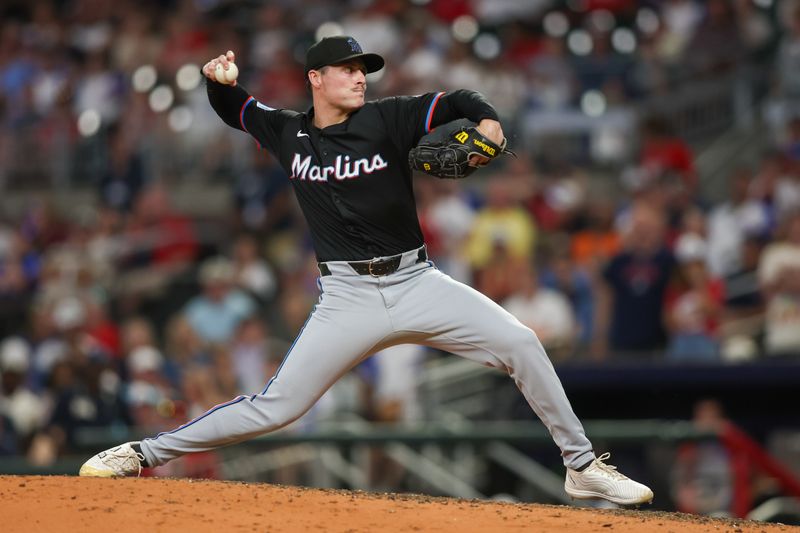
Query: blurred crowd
(107, 94)
(127, 311)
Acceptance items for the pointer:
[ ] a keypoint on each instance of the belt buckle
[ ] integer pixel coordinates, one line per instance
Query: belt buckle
(369, 268)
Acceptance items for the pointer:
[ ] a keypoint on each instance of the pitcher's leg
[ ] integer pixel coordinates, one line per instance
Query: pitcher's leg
(333, 340)
(467, 323)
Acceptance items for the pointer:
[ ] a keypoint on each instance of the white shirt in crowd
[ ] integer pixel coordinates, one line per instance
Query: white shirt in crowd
(728, 225)
(547, 312)
(783, 309)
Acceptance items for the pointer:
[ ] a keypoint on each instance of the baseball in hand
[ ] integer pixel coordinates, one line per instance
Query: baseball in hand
(226, 76)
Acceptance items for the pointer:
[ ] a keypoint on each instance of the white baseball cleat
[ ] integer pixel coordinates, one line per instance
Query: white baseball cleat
(115, 462)
(599, 480)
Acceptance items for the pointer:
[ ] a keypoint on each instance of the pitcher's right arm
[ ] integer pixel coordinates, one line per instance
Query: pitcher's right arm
(238, 109)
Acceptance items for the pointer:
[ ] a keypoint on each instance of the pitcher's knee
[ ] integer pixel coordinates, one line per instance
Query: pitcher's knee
(520, 347)
(520, 340)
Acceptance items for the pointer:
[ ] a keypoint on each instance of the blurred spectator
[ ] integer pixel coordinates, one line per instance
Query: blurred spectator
(216, 313)
(693, 304)
(546, 311)
(393, 399)
(603, 69)
(46, 346)
(596, 243)
(717, 46)
(100, 88)
(20, 263)
(374, 25)
(498, 279)
(136, 41)
(183, 344)
(461, 69)
(558, 198)
(692, 222)
(124, 175)
(664, 154)
(224, 372)
(263, 197)
(295, 304)
(149, 395)
(201, 390)
(649, 75)
(100, 328)
(787, 191)
(273, 34)
(631, 299)
(138, 335)
(398, 374)
(551, 78)
(742, 292)
(743, 314)
(8, 439)
(421, 65)
(770, 172)
(105, 245)
(779, 275)
(522, 177)
(161, 237)
(86, 394)
(250, 356)
(504, 85)
(448, 218)
(729, 223)
(680, 19)
(281, 83)
(137, 332)
(791, 144)
(500, 221)
(18, 274)
(425, 194)
(576, 283)
(66, 337)
(788, 58)
(755, 27)
(23, 408)
(253, 274)
(159, 245)
(42, 225)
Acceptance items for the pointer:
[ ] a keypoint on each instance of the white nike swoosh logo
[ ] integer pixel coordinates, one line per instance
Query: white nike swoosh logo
(301, 134)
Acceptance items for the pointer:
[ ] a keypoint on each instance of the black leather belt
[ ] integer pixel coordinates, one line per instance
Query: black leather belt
(377, 267)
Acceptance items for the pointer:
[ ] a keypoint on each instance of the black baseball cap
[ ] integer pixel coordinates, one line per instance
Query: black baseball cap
(333, 50)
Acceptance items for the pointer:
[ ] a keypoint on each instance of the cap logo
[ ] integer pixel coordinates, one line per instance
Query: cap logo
(354, 46)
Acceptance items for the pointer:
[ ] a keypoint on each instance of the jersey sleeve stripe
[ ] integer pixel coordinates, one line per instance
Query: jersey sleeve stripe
(429, 117)
(241, 112)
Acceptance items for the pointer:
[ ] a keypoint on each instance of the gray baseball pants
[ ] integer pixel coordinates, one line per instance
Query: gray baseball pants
(358, 315)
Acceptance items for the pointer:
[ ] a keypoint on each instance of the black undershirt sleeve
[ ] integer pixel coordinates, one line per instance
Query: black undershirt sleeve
(462, 103)
(409, 118)
(227, 101)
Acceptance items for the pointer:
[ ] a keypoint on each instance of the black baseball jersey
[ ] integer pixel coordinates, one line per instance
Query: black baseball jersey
(352, 179)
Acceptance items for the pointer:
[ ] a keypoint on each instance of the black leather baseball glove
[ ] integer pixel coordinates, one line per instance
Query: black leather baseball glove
(451, 157)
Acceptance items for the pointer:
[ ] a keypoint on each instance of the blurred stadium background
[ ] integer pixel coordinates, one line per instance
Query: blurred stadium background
(153, 262)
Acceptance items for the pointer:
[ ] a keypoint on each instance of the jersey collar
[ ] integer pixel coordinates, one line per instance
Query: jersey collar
(341, 127)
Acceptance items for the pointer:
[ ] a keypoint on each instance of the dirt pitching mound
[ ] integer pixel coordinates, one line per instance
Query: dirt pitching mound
(55, 504)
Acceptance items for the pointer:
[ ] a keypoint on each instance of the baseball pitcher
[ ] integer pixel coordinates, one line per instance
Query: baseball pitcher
(350, 164)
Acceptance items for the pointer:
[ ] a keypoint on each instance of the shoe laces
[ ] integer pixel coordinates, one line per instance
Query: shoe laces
(122, 457)
(610, 470)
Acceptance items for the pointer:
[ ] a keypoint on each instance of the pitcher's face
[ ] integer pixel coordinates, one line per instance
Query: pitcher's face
(343, 85)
